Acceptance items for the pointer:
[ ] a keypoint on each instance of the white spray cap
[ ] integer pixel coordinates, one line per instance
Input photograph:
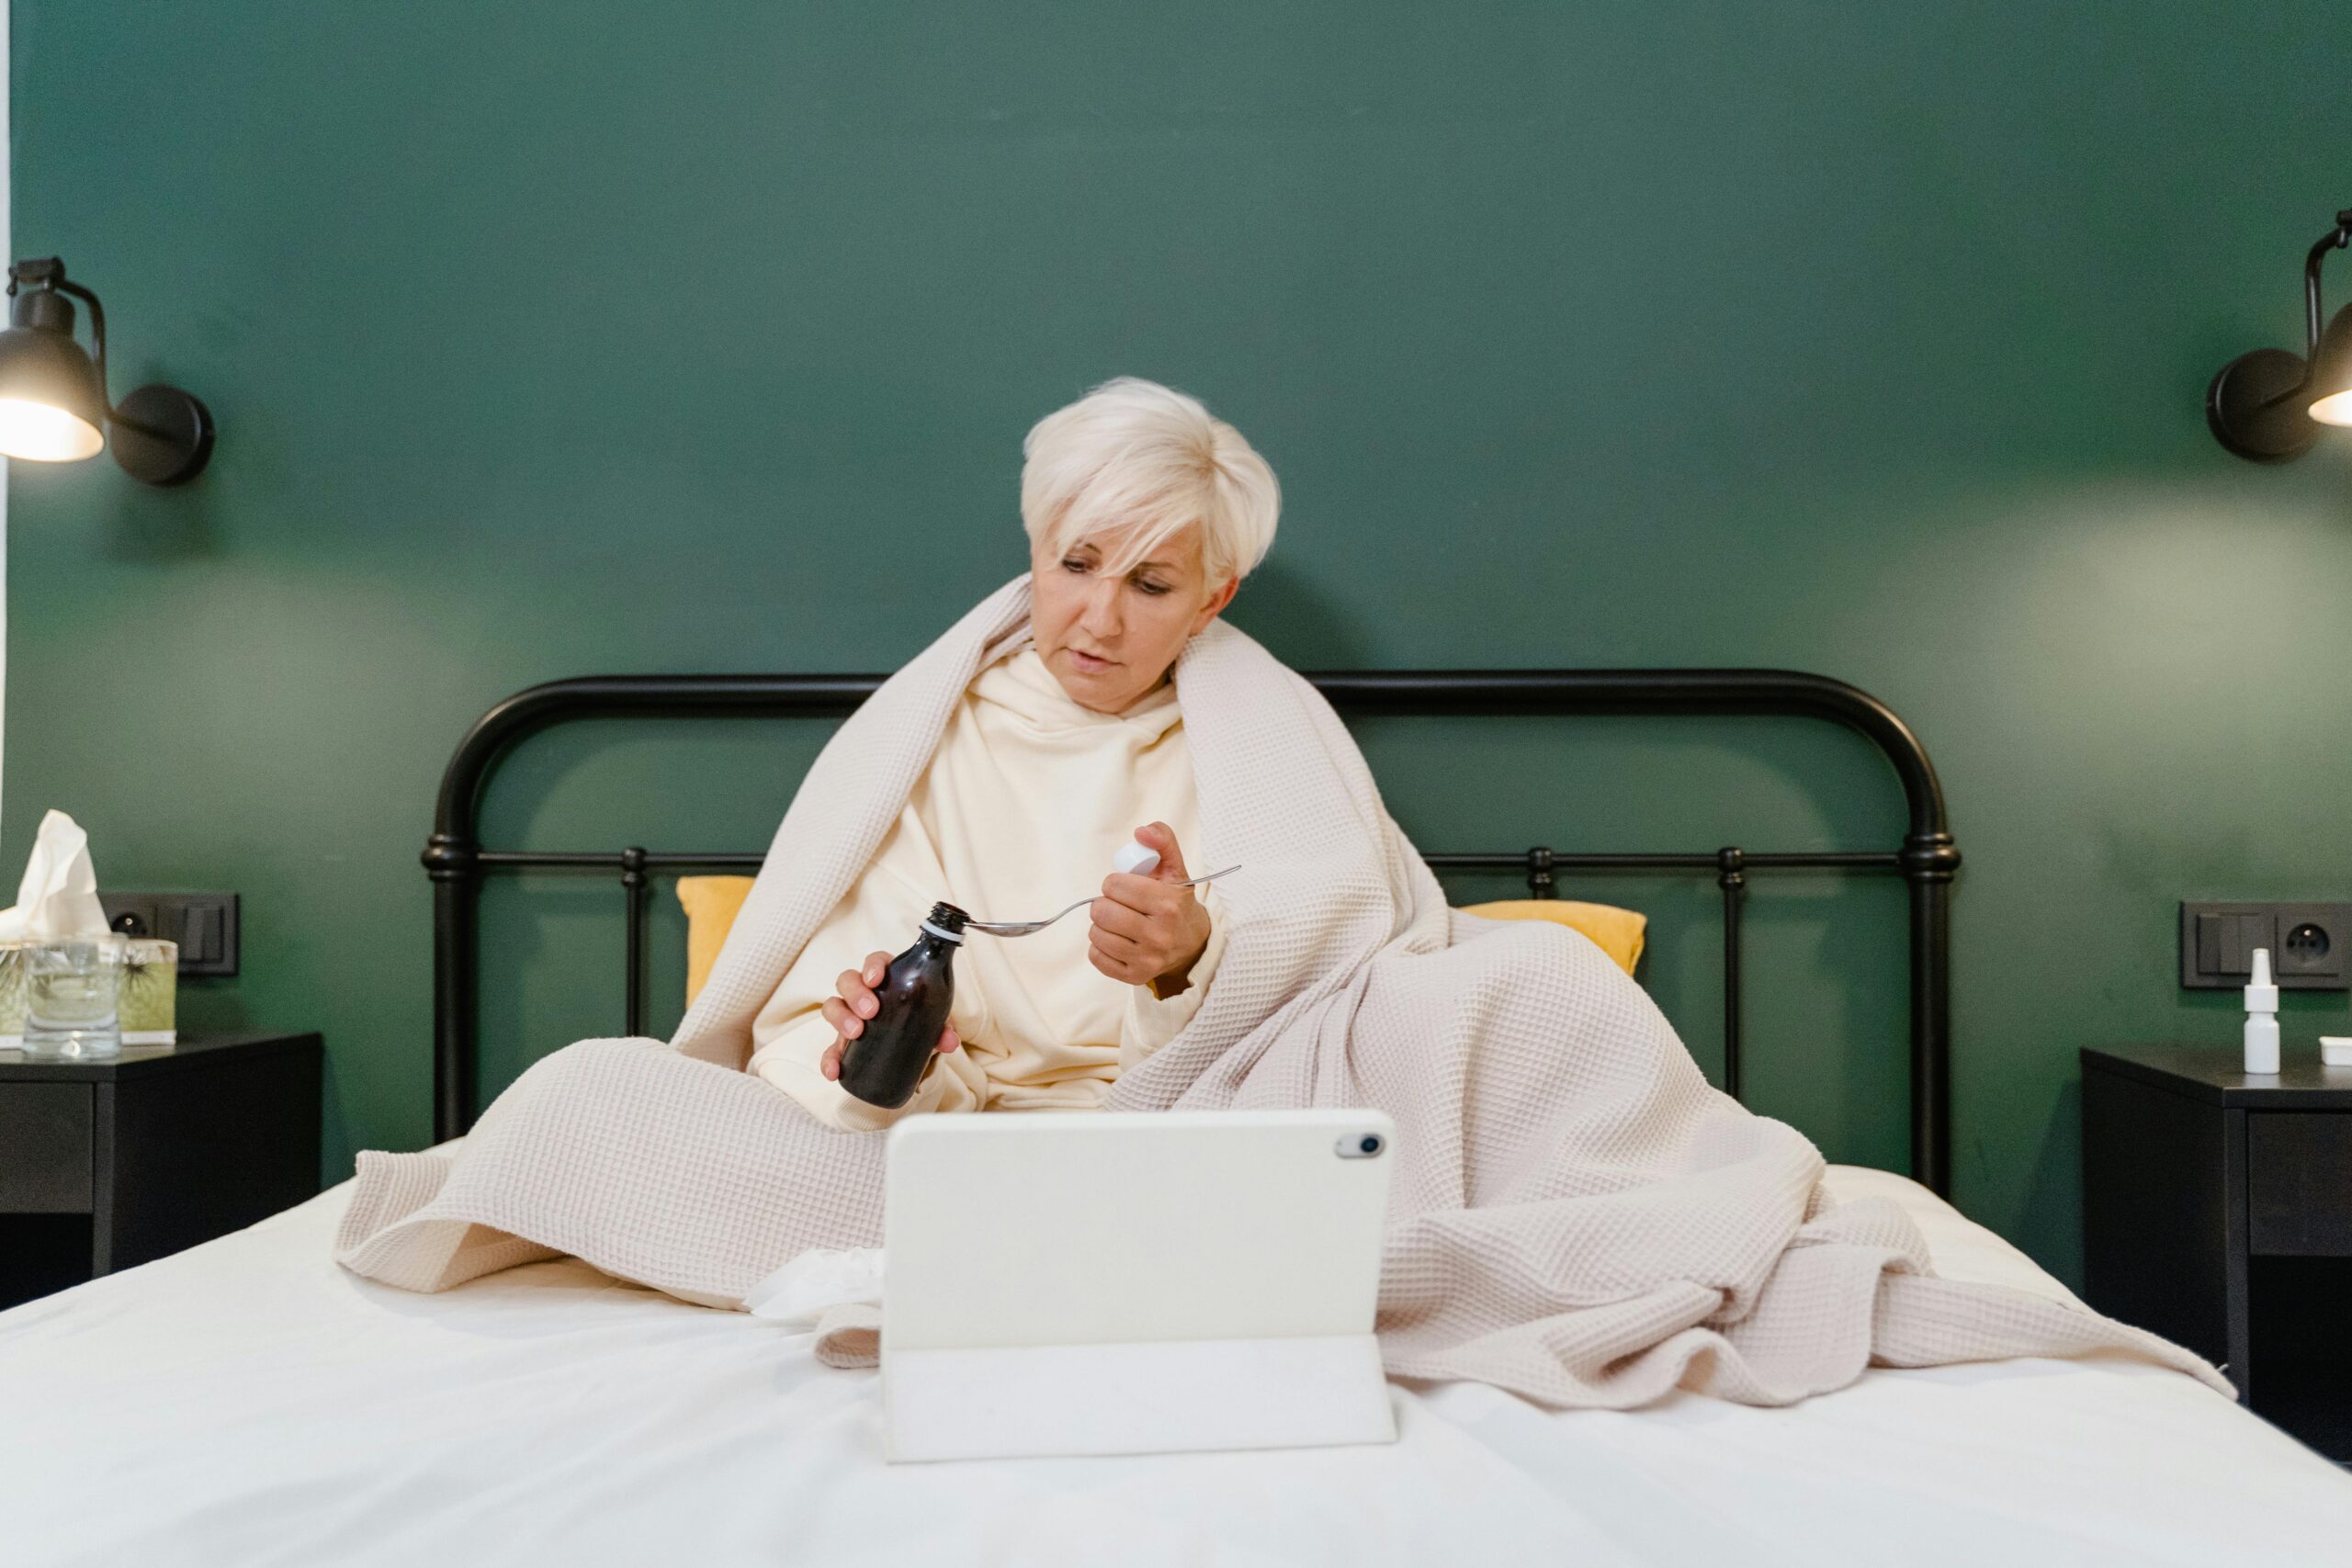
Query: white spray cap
(2261, 995)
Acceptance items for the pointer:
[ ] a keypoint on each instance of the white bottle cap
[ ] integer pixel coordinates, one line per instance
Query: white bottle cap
(2335, 1049)
(2261, 995)
(1136, 859)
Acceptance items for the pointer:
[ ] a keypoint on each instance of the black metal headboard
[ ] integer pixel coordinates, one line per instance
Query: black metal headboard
(1926, 860)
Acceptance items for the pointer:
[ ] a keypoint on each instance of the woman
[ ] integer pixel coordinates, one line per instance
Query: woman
(1576, 1213)
(1144, 513)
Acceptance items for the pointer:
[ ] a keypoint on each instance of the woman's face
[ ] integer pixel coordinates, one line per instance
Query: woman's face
(1109, 640)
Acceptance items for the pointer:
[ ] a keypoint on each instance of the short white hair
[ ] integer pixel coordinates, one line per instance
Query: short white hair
(1142, 462)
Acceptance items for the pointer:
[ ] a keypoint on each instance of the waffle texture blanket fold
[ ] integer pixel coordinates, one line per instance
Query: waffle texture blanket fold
(1577, 1215)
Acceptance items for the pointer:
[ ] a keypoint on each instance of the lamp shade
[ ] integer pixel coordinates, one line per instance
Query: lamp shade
(2330, 377)
(52, 409)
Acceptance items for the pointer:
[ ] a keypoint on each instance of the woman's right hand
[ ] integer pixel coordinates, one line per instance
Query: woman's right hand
(848, 1011)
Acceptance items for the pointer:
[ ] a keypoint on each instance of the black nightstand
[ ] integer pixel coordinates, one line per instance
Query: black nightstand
(107, 1164)
(2217, 1212)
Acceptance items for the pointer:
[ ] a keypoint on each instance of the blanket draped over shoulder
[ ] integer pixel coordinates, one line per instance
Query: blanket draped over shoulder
(1577, 1215)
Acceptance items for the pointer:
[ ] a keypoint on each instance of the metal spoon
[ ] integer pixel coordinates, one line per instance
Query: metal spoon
(1022, 928)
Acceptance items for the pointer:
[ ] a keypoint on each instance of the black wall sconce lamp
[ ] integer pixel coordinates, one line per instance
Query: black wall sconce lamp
(53, 403)
(2269, 405)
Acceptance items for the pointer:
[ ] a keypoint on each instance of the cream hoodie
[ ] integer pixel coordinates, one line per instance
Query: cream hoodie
(1026, 800)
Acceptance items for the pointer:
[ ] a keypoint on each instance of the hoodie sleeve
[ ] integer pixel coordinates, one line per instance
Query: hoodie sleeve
(1152, 1022)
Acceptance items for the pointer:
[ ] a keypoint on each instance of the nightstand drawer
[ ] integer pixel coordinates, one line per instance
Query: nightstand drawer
(2299, 1183)
(46, 1140)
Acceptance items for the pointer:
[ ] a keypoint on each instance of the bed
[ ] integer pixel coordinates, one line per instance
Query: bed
(249, 1402)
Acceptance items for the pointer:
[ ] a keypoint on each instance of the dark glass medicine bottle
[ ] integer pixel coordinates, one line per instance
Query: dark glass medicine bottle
(883, 1064)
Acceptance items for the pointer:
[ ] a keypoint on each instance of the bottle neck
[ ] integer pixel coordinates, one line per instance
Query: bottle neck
(937, 936)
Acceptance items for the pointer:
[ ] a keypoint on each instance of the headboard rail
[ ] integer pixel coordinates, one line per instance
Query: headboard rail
(1926, 860)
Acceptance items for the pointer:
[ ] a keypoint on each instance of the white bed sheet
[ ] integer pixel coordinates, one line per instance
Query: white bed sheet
(249, 1402)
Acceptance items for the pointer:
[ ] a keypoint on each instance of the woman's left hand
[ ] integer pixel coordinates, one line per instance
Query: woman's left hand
(1146, 932)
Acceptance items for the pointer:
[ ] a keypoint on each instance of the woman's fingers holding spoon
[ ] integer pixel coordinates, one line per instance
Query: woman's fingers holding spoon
(1022, 928)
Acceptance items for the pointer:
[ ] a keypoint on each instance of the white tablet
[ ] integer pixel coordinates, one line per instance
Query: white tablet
(1067, 1282)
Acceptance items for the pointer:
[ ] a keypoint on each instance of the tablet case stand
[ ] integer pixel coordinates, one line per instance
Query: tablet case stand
(1168, 1397)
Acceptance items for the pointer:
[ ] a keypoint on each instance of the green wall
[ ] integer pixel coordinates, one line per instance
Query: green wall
(553, 339)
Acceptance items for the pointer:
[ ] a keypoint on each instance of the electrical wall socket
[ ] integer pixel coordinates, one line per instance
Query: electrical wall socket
(2310, 944)
(204, 924)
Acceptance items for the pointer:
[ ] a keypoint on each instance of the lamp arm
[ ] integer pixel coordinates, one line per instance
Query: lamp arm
(2334, 239)
(98, 328)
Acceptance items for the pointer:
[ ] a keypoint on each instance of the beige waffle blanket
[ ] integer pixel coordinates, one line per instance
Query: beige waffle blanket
(1577, 1215)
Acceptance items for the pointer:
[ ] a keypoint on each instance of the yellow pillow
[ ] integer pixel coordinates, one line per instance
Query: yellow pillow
(1617, 932)
(712, 903)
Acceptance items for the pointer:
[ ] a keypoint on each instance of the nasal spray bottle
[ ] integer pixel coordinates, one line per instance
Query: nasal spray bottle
(2261, 1018)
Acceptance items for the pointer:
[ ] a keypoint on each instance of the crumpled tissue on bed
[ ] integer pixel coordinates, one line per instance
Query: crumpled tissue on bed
(835, 1292)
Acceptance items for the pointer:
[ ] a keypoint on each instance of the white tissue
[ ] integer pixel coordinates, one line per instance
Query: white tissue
(1137, 859)
(59, 897)
(797, 1294)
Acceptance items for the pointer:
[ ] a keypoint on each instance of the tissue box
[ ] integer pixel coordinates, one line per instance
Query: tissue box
(148, 1007)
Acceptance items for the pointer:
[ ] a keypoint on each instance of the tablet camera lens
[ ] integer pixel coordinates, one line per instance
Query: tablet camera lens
(1369, 1145)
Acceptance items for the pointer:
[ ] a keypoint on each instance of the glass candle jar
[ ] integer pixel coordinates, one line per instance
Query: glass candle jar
(72, 987)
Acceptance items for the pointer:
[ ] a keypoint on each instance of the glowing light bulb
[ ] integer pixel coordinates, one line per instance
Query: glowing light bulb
(46, 433)
(2334, 409)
